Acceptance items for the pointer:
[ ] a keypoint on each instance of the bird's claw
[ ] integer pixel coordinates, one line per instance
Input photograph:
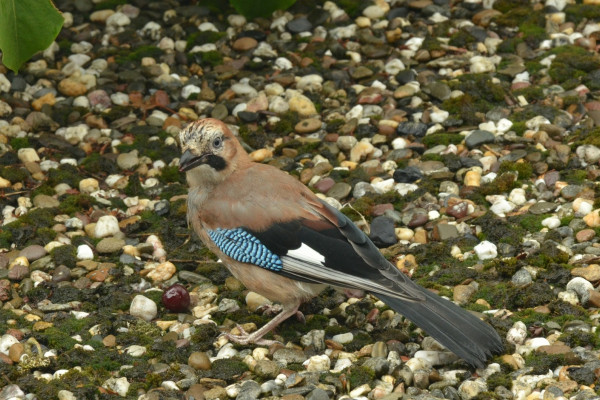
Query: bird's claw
(245, 338)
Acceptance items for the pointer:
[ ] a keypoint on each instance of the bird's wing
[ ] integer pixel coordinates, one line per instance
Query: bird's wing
(324, 247)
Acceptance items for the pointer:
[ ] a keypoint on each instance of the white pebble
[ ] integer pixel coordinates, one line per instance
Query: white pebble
(394, 66)
(28, 154)
(517, 196)
(343, 338)
(355, 112)
(568, 296)
(486, 250)
(135, 350)
(317, 363)
(118, 385)
(551, 222)
(107, 225)
(85, 252)
(405, 188)
(536, 342)
(580, 286)
(436, 357)
(144, 308)
(118, 19)
(310, 83)
(501, 207)
(188, 90)
(6, 341)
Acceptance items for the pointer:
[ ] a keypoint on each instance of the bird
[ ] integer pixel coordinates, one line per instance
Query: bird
(283, 242)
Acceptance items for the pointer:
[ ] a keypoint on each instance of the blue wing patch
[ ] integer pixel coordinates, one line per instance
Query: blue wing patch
(244, 247)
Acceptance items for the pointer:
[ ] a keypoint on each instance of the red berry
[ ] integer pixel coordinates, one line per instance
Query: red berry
(176, 298)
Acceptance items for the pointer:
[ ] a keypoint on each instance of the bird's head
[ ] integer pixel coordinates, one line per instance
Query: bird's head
(209, 151)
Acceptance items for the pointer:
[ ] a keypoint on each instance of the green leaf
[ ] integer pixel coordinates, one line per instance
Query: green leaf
(26, 27)
(259, 8)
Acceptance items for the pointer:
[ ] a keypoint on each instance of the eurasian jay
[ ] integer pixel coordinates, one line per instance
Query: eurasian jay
(281, 241)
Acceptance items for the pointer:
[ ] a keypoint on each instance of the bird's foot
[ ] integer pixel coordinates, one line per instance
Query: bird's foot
(245, 338)
(300, 317)
(269, 309)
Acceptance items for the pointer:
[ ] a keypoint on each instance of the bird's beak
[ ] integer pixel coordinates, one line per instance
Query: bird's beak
(189, 160)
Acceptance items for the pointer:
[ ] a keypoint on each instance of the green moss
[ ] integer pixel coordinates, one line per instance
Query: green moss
(14, 174)
(442, 138)
(97, 164)
(572, 63)
(509, 45)
(514, 17)
(358, 375)
(203, 37)
(228, 369)
(56, 338)
(519, 128)
(109, 4)
(72, 203)
(204, 336)
(578, 12)
(505, 6)
(541, 362)
(499, 379)
(171, 174)
(19, 143)
(42, 189)
(46, 235)
(531, 93)
(254, 136)
(462, 38)
(286, 123)
(212, 58)
(466, 107)
(352, 7)
(138, 53)
(134, 186)
(523, 169)
(580, 338)
(65, 255)
(65, 173)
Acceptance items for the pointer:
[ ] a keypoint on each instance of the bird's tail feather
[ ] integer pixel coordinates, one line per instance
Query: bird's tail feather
(457, 329)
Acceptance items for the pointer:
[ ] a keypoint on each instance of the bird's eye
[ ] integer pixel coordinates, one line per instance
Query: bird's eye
(218, 142)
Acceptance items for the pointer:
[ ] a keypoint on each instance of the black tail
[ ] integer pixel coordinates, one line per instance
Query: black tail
(458, 330)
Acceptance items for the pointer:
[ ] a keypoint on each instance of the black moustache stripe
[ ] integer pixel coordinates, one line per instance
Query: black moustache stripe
(216, 162)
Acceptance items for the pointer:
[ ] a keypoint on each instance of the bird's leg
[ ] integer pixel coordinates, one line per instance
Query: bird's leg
(256, 336)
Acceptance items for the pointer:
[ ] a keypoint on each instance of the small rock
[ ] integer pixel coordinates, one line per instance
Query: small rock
(144, 308)
(107, 225)
(110, 245)
(199, 361)
(486, 250)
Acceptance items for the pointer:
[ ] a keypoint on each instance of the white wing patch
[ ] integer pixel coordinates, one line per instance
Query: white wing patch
(306, 253)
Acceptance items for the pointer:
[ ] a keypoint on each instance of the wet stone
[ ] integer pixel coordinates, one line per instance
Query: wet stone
(339, 191)
(382, 232)
(407, 175)
(542, 207)
(416, 129)
(299, 25)
(479, 137)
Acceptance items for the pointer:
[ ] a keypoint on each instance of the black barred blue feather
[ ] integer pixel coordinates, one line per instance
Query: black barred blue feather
(244, 247)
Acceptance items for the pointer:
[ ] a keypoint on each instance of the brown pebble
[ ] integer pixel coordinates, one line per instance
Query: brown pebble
(585, 235)
(308, 125)
(16, 351)
(196, 391)
(244, 44)
(109, 341)
(4, 359)
(199, 360)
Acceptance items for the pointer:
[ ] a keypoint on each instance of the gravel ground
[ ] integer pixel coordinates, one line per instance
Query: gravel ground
(464, 136)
